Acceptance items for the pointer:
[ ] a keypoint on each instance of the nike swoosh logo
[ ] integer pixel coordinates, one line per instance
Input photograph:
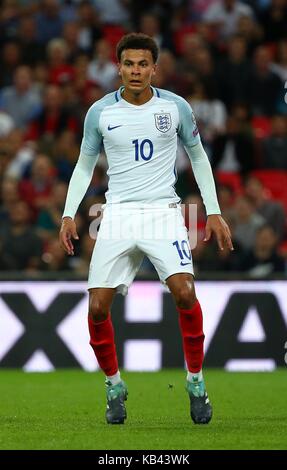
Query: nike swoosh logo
(184, 264)
(110, 128)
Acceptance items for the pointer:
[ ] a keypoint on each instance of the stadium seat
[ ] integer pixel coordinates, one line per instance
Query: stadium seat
(113, 33)
(231, 179)
(283, 249)
(273, 48)
(178, 36)
(276, 182)
(261, 126)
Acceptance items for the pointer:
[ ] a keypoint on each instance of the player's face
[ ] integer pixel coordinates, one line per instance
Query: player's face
(136, 69)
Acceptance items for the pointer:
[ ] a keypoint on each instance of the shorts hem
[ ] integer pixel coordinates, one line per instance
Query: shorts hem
(120, 288)
(176, 272)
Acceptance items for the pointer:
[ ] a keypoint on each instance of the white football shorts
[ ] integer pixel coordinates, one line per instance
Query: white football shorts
(127, 233)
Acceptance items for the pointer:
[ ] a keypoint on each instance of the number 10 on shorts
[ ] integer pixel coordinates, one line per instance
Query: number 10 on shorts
(183, 252)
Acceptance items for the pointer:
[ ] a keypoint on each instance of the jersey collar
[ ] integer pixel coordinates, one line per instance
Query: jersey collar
(118, 94)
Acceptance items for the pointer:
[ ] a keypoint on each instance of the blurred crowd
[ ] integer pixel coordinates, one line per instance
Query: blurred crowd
(228, 58)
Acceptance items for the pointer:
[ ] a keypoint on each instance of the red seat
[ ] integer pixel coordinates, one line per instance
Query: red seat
(231, 179)
(178, 36)
(283, 249)
(261, 126)
(276, 182)
(113, 33)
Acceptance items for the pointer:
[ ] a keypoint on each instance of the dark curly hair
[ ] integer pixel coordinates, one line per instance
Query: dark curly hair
(137, 41)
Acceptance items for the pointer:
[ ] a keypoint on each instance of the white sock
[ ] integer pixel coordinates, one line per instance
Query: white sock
(191, 376)
(114, 379)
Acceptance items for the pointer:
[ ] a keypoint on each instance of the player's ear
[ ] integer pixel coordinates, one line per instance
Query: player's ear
(154, 69)
(119, 69)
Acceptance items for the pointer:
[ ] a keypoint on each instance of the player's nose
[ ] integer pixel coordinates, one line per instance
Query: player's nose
(135, 70)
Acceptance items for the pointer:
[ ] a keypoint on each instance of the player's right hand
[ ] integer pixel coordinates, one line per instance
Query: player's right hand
(67, 232)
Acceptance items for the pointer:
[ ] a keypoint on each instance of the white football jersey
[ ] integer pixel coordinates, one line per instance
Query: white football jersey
(140, 143)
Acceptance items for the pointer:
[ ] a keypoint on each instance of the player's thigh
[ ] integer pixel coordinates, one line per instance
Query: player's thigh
(114, 263)
(170, 253)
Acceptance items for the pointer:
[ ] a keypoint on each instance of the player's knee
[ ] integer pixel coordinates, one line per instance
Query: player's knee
(185, 297)
(98, 310)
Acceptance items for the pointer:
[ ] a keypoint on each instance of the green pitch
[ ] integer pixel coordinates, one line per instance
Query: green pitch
(65, 410)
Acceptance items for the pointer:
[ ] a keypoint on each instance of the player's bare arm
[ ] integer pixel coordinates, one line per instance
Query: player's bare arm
(216, 225)
(67, 232)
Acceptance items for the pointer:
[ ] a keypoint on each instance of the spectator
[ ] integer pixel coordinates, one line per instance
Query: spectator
(226, 197)
(150, 24)
(37, 190)
(53, 119)
(21, 101)
(233, 151)
(9, 18)
(41, 77)
(20, 247)
(224, 16)
(90, 29)
(71, 35)
(81, 82)
(246, 223)
(102, 70)
(6, 124)
(113, 12)
(53, 258)
(263, 260)
(271, 211)
(264, 86)
(274, 21)
(65, 155)
(191, 45)
(60, 72)
(197, 8)
(279, 66)
(83, 86)
(32, 50)
(275, 146)
(210, 114)
(10, 59)
(49, 218)
(22, 154)
(251, 32)
(234, 73)
(241, 112)
(9, 196)
(167, 75)
(49, 21)
(206, 72)
(92, 93)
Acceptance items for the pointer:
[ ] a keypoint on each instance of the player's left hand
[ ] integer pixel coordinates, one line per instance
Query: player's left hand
(217, 225)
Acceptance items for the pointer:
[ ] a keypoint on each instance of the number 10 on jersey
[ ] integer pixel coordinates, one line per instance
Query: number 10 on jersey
(143, 149)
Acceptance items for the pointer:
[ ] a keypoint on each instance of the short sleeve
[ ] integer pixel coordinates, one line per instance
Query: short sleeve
(187, 128)
(92, 138)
